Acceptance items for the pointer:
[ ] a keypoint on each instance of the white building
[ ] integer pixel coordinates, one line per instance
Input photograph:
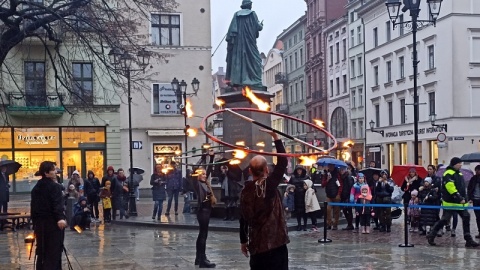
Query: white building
(273, 65)
(356, 80)
(336, 66)
(157, 121)
(448, 83)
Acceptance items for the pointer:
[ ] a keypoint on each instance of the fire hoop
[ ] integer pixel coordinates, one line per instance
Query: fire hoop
(215, 139)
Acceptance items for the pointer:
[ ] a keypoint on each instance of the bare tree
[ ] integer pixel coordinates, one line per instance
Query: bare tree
(68, 30)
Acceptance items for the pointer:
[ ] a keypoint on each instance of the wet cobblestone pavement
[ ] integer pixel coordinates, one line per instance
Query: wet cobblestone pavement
(141, 247)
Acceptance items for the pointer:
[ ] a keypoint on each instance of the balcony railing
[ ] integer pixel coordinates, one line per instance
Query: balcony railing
(281, 108)
(281, 78)
(35, 104)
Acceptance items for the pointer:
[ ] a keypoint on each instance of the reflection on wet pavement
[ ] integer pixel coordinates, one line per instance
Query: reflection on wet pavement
(134, 247)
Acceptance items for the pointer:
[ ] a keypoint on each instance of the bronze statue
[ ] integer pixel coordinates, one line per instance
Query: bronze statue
(244, 65)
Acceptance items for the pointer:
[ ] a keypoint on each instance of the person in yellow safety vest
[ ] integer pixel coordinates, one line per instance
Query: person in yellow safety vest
(454, 194)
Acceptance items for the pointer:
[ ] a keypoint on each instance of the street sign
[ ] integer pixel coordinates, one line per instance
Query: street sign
(137, 145)
(441, 137)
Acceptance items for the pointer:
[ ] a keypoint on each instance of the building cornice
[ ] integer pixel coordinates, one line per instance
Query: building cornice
(369, 6)
(300, 22)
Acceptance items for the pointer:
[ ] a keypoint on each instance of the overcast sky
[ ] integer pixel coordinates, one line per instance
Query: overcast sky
(277, 15)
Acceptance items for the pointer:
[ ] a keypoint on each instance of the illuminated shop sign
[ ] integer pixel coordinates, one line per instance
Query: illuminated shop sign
(36, 139)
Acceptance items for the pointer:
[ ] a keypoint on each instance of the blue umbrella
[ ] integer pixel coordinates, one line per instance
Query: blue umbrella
(331, 161)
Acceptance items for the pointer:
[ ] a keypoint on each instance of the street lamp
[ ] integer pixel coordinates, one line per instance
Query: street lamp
(372, 125)
(122, 62)
(180, 89)
(433, 118)
(393, 7)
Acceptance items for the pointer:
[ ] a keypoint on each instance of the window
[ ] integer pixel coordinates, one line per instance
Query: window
(331, 55)
(401, 63)
(337, 50)
(290, 63)
(331, 88)
(431, 57)
(344, 45)
(390, 113)
(302, 93)
(389, 71)
(360, 97)
(352, 38)
(360, 65)
(359, 33)
(377, 115)
(297, 93)
(475, 50)
(82, 83)
(401, 28)
(344, 83)
(315, 46)
(290, 43)
(309, 86)
(431, 102)
(354, 130)
(296, 60)
(402, 111)
(375, 74)
(353, 98)
(295, 41)
(300, 35)
(375, 37)
(360, 129)
(352, 68)
(339, 123)
(291, 93)
(352, 16)
(389, 31)
(337, 80)
(301, 56)
(166, 29)
(35, 93)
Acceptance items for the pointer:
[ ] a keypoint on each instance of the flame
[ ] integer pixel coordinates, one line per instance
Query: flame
(234, 162)
(262, 105)
(307, 161)
(78, 229)
(261, 144)
(188, 109)
(191, 132)
(178, 152)
(30, 236)
(240, 143)
(206, 146)
(348, 143)
(319, 123)
(346, 156)
(219, 102)
(239, 154)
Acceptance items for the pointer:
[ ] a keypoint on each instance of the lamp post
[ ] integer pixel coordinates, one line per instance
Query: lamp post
(393, 7)
(180, 89)
(372, 128)
(122, 62)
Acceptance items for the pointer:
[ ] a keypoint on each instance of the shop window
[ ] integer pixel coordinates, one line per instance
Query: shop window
(38, 138)
(25, 178)
(165, 153)
(76, 137)
(403, 154)
(433, 152)
(5, 138)
(72, 161)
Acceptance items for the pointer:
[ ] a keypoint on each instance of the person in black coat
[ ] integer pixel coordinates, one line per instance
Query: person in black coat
(297, 178)
(428, 195)
(348, 182)
(159, 194)
(383, 195)
(4, 190)
(92, 193)
(473, 194)
(412, 182)
(48, 219)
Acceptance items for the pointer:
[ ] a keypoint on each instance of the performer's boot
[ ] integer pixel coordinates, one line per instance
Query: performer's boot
(227, 213)
(205, 263)
(232, 213)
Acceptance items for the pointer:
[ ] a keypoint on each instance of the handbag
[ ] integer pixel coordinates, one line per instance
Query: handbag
(107, 203)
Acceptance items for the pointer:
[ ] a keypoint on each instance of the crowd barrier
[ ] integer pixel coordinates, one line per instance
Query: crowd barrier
(374, 205)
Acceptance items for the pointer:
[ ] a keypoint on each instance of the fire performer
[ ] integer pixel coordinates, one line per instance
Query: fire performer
(263, 230)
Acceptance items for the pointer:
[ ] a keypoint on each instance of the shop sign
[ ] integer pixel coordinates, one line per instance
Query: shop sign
(165, 148)
(36, 139)
(167, 132)
(168, 103)
(402, 133)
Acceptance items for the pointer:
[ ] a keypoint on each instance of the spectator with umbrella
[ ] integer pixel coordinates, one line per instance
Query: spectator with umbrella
(474, 195)
(333, 185)
(137, 178)
(7, 167)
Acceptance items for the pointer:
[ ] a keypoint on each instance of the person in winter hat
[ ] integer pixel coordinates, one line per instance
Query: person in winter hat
(364, 211)
(299, 175)
(414, 212)
(288, 201)
(428, 195)
(355, 193)
(81, 214)
(311, 203)
(106, 196)
(92, 190)
(158, 181)
(109, 176)
(454, 195)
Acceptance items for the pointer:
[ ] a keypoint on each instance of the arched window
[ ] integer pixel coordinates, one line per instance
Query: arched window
(339, 123)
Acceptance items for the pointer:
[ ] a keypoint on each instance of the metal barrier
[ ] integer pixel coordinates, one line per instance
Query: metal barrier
(405, 206)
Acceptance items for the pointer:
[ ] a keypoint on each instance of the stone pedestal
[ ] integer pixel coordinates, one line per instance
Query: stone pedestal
(237, 129)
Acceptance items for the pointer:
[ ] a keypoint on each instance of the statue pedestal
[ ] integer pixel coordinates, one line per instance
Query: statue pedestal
(236, 129)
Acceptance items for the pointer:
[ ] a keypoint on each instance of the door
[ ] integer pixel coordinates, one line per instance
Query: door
(94, 161)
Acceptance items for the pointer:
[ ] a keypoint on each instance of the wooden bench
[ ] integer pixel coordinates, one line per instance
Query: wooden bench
(15, 221)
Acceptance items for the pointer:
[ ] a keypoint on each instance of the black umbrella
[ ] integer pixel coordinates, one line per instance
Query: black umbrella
(369, 172)
(137, 170)
(12, 166)
(472, 157)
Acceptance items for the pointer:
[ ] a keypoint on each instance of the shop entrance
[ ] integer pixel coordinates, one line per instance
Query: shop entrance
(83, 160)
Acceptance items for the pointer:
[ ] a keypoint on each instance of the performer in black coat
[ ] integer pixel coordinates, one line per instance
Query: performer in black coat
(48, 219)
